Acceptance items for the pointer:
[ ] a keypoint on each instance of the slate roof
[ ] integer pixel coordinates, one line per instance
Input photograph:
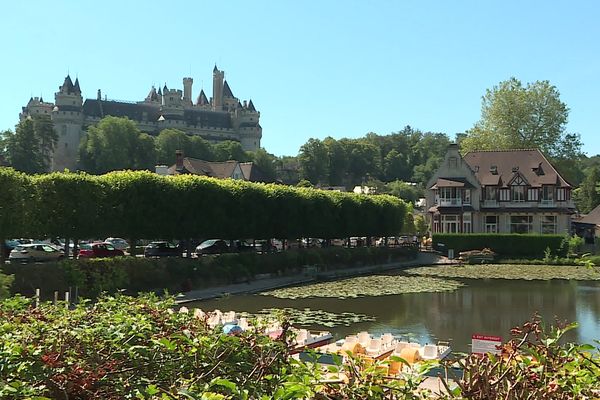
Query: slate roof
(253, 174)
(202, 99)
(227, 90)
(134, 111)
(206, 118)
(220, 169)
(593, 217)
(529, 163)
(251, 106)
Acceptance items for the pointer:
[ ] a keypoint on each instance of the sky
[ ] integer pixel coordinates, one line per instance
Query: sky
(312, 68)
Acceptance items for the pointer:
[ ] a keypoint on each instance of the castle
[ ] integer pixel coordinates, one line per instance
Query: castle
(223, 117)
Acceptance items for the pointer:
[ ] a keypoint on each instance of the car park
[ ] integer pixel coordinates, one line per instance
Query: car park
(162, 249)
(98, 250)
(212, 246)
(35, 252)
(118, 243)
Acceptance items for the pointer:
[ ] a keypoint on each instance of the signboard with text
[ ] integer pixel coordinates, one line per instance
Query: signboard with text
(482, 344)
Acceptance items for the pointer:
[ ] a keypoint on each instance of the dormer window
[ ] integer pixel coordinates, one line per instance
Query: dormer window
(494, 170)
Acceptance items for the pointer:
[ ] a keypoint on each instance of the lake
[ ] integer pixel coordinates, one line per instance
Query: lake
(487, 306)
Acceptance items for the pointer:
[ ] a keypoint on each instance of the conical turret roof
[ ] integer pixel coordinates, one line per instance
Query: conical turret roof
(202, 99)
(76, 86)
(227, 90)
(251, 106)
(67, 85)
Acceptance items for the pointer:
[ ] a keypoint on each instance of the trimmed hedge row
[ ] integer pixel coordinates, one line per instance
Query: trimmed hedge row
(144, 205)
(505, 245)
(134, 274)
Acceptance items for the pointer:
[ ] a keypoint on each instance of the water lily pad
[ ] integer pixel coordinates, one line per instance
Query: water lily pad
(375, 285)
(308, 317)
(509, 271)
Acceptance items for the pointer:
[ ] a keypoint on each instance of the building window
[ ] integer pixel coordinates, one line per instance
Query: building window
(491, 224)
(467, 227)
(467, 196)
(561, 194)
(504, 195)
(533, 194)
(547, 194)
(449, 223)
(491, 193)
(521, 224)
(517, 193)
(548, 224)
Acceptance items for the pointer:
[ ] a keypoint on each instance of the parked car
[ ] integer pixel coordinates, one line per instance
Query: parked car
(35, 252)
(241, 246)
(162, 249)
(118, 243)
(212, 246)
(101, 249)
(9, 245)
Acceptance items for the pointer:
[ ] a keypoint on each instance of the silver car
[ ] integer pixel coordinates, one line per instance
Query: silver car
(35, 252)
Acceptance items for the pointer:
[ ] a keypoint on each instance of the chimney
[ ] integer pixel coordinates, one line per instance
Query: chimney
(178, 160)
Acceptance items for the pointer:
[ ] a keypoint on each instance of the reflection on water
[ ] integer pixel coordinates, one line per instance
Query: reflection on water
(484, 306)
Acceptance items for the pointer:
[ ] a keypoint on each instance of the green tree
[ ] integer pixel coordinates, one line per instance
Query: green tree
(407, 192)
(517, 116)
(30, 148)
(230, 150)
(337, 166)
(587, 196)
(170, 140)
(265, 162)
(116, 144)
(14, 201)
(313, 161)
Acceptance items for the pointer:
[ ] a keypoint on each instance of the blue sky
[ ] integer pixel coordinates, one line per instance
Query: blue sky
(313, 68)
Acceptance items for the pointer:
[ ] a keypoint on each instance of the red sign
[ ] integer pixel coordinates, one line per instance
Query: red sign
(482, 344)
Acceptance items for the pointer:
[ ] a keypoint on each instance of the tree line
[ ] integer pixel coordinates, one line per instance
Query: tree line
(144, 205)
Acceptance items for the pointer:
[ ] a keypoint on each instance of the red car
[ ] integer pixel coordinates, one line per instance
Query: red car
(99, 250)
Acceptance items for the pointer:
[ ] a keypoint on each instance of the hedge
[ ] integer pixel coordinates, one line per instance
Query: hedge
(505, 245)
(134, 274)
(144, 205)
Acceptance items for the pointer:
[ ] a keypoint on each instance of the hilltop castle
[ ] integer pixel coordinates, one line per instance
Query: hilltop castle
(223, 117)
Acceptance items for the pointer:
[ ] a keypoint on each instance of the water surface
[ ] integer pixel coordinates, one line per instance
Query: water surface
(490, 306)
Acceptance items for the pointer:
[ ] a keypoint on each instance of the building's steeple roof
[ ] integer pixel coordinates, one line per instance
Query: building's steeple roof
(152, 96)
(239, 105)
(202, 99)
(165, 88)
(41, 99)
(226, 90)
(67, 85)
(159, 92)
(215, 69)
(76, 86)
(251, 106)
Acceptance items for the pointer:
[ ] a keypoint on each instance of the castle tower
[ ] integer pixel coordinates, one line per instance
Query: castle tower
(172, 109)
(217, 99)
(67, 118)
(247, 122)
(187, 90)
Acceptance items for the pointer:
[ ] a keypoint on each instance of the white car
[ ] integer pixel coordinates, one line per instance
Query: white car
(118, 243)
(36, 252)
